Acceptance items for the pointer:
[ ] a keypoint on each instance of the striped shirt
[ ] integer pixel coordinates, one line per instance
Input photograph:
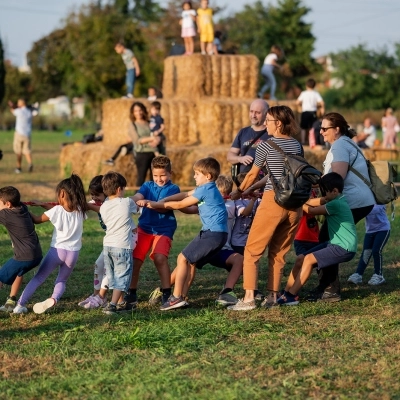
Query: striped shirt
(275, 159)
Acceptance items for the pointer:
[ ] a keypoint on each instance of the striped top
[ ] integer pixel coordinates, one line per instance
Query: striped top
(275, 159)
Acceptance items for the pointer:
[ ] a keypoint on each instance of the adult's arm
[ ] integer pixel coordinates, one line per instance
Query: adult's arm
(234, 158)
(340, 167)
(136, 65)
(247, 182)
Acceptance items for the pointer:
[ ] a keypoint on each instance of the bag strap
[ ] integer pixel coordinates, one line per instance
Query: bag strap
(353, 170)
(247, 148)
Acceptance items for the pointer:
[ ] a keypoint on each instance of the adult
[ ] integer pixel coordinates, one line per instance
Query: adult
(390, 127)
(237, 154)
(366, 138)
(267, 71)
(273, 226)
(23, 133)
(132, 68)
(342, 154)
(143, 143)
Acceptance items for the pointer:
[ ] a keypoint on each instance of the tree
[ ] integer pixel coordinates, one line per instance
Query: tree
(2, 72)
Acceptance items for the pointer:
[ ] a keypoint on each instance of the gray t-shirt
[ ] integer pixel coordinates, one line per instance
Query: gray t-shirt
(357, 193)
(127, 56)
(23, 123)
(21, 229)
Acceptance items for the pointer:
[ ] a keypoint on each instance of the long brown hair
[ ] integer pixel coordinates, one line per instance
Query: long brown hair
(142, 107)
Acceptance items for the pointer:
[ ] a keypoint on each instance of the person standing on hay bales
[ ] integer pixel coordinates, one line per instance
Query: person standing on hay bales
(205, 27)
(144, 144)
(132, 68)
(188, 26)
(244, 146)
(267, 71)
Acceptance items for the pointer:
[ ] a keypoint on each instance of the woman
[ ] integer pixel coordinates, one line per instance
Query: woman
(144, 143)
(273, 226)
(389, 127)
(342, 154)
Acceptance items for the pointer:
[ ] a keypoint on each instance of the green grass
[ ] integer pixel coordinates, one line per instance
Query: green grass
(346, 350)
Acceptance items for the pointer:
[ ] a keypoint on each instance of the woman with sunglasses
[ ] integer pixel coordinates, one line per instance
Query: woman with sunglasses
(342, 155)
(273, 226)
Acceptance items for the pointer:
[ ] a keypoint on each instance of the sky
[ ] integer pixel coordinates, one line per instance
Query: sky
(337, 24)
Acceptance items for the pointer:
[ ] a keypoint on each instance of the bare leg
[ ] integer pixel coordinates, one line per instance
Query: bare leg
(15, 286)
(161, 263)
(305, 272)
(137, 264)
(295, 271)
(189, 280)
(116, 296)
(203, 47)
(182, 272)
(236, 261)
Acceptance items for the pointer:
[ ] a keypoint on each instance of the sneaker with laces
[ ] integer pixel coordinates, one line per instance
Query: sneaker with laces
(288, 299)
(173, 302)
(227, 299)
(355, 278)
(125, 307)
(376, 280)
(83, 302)
(314, 294)
(9, 305)
(20, 309)
(330, 297)
(95, 302)
(242, 305)
(40, 308)
(110, 161)
(155, 297)
(18, 170)
(110, 309)
(258, 296)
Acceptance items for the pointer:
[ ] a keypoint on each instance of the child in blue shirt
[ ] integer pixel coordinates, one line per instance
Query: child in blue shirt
(214, 232)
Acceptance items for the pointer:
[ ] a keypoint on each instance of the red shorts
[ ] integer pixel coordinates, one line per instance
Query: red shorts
(158, 244)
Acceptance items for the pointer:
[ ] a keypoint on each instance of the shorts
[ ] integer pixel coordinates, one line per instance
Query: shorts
(219, 259)
(303, 246)
(188, 32)
(207, 35)
(328, 254)
(307, 119)
(118, 264)
(203, 247)
(21, 144)
(13, 268)
(159, 244)
(238, 249)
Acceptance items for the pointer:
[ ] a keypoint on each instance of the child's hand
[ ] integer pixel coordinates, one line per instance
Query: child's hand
(155, 204)
(142, 203)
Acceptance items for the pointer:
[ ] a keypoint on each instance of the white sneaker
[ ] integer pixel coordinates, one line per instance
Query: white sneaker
(40, 308)
(355, 278)
(243, 305)
(95, 302)
(20, 309)
(376, 280)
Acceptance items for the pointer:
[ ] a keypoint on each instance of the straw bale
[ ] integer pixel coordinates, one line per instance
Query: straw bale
(235, 63)
(226, 77)
(216, 75)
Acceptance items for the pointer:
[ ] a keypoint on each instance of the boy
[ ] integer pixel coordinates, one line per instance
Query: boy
(156, 228)
(116, 214)
(205, 27)
(157, 127)
(27, 251)
(132, 68)
(309, 100)
(342, 244)
(214, 233)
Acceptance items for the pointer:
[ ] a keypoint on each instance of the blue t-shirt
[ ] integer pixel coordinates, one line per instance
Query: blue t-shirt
(151, 221)
(155, 122)
(212, 210)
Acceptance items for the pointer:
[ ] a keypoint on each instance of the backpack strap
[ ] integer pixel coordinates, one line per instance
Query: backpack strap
(353, 170)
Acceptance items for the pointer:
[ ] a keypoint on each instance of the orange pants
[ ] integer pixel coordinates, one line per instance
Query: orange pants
(275, 228)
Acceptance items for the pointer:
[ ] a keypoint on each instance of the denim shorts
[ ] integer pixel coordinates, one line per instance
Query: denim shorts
(118, 265)
(203, 247)
(13, 268)
(328, 254)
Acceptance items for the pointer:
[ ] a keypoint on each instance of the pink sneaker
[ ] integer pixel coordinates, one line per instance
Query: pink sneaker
(95, 302)
(83, 302)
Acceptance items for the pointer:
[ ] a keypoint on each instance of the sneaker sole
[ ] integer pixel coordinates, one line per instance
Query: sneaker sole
(293, 303)
(177, 305)
(376, 284)
(7, 309)
(331, 300)
(40, 308)
(225, 303)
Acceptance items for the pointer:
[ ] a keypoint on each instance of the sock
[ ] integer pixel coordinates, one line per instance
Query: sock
(13, 298)
(112, 304)
(226, 290)
(291, 294)
(166, 292)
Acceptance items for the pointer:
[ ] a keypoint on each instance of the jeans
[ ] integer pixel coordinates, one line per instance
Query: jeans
(373, 246)
(13, 268)
(130, 80)
(267, 71)
(118, 264)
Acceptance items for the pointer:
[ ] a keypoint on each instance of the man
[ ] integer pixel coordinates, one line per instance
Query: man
(237, 153)
(366, 138)
(132, 68)
(23, 131)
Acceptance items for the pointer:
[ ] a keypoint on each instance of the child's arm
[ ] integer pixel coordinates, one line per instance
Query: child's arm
(159, 131)
(258, 185)
(249, 208)
(93, 207)
(318, 210)
(190, 210)
(177, 197)
(175, 205)
(46, 206)
(39, 219)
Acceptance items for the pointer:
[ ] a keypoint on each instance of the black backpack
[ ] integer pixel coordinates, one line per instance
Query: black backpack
(294, 188)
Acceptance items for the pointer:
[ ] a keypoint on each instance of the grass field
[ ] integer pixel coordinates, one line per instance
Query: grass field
(346, 350)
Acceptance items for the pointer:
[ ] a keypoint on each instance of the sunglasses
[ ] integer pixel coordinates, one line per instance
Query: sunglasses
(325, 129)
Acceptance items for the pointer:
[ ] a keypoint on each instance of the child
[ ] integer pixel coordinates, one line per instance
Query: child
(155, 229)
(157, 127)
(116, 213)
(342, 244)
(377, 234)
(100, 281)
(214, 233)
(309, 100)
(132, 68)
(267, 71)
(67, 218)
(188, 27)
(27, 251)
(205, 27)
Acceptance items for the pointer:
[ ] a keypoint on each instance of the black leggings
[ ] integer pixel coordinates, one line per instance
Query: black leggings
(329, 276)
(143, 164)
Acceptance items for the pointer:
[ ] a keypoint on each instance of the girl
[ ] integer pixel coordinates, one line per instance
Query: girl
(205, 27)
(67, 218)
(188, 27)
(267, 71)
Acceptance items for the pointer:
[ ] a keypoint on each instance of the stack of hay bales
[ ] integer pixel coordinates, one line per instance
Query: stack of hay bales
(206, 102)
